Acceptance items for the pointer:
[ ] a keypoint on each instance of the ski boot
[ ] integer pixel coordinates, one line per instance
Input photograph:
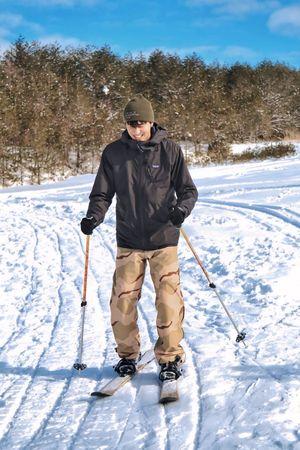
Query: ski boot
(170, 370)
(126, 367)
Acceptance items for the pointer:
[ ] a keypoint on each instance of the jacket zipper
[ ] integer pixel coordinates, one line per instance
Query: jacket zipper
(142, 201)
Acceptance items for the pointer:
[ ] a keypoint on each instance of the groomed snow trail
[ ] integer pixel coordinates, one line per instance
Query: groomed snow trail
(245, 228)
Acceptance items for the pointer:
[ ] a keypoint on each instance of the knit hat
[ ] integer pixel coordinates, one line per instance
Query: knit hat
(139, 108)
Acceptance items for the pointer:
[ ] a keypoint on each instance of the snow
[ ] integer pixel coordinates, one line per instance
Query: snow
(245, 229)
(237, 149)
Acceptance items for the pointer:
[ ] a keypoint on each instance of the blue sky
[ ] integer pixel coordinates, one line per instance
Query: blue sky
(217, 30)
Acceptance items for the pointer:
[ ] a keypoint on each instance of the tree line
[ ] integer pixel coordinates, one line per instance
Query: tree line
(59, 107)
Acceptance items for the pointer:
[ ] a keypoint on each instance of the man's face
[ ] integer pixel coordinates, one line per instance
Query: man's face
(139, 131)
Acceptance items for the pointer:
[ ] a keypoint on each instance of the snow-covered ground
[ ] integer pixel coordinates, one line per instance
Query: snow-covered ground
(245, 228)
(237, 149)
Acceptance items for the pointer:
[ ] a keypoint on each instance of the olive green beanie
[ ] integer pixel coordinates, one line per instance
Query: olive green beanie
(139, 108)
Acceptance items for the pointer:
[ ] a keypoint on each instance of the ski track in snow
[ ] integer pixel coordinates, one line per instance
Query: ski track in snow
(30, 371)
(245, 230)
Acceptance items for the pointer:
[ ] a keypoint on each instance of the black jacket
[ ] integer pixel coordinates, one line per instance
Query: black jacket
(145, 176)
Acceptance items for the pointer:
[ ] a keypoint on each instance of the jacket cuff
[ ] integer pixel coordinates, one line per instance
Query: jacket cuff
(182, 210)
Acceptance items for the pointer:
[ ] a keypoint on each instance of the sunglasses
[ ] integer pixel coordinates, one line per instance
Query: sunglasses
(136, 123)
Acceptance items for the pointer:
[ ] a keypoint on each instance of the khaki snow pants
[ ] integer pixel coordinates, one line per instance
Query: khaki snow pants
(127, 285)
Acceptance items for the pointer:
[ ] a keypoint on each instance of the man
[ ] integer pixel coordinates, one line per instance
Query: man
(154, 193)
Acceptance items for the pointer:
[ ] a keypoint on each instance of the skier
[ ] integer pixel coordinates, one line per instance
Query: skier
(154, 193)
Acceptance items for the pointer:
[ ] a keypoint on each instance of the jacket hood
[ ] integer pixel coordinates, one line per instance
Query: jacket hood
(158, 133)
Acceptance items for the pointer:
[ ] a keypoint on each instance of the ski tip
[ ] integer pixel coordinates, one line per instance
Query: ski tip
(99, 394)
(165, 400)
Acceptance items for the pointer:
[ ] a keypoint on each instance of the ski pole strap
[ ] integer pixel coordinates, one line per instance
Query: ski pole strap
(86, 265)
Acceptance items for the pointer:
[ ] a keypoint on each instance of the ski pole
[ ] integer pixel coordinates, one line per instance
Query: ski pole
(79, 365)
(241, 334)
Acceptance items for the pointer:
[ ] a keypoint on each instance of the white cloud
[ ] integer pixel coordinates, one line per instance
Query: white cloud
(236, 7)
(58, 2)
(286, 21)
(3, 32)
(292, 57)
(208, 53)
(51, 2)
(236, 51)
(4, 45)
(63, 41)
(10, 22)
(180, 51)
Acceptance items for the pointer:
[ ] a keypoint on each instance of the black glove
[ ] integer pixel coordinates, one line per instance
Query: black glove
(177, 216)
(88, 224)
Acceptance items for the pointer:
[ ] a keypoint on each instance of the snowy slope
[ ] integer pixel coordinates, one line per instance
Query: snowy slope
(245, 228)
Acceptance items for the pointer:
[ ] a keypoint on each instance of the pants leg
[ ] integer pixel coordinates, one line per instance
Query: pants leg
(169, 304)
(126, 291)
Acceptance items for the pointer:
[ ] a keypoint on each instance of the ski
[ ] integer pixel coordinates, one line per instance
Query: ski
(115, 383)
(169, 391)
